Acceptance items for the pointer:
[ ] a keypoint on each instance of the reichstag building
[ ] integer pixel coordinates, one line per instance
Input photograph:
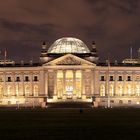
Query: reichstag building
(69, 71)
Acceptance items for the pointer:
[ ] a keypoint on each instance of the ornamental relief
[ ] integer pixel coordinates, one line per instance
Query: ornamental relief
(69, 61)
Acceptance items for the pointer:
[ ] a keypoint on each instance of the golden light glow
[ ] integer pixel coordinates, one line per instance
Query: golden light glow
(36, 90)
(129, 90)
(69, 83)
(1, 91)
(27, 90)
(120, 90)
(111, 90)
(9, 90)
(138, 90)
(102, 90)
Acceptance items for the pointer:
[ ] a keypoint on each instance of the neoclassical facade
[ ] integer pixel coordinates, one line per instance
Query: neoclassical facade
(69, 71)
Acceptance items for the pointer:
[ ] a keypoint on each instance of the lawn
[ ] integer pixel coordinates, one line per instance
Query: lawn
(69, 124)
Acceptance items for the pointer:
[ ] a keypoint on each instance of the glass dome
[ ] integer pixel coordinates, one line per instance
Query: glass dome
(68, 45)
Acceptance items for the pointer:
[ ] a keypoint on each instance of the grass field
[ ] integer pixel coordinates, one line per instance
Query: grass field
(69, 124)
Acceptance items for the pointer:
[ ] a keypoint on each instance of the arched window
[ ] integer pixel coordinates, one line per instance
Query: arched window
(19, 90)
(1, 91)
(137, 90)
(27, 90)
(102, 90)
(111, 90)
(9, 90)
(36, 90)
(120, 90)
(129, 90)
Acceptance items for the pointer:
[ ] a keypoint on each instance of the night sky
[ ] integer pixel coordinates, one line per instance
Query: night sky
(113, 24)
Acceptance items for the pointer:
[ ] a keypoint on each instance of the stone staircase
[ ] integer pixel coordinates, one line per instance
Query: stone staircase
(69, 105)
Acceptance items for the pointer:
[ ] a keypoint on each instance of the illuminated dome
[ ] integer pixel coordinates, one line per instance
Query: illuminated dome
(68, 45)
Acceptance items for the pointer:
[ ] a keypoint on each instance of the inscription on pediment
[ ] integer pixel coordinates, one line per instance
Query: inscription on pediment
(69, 61)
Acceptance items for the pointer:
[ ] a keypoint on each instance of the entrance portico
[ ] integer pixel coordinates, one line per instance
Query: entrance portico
(70, 77)
(69, 83)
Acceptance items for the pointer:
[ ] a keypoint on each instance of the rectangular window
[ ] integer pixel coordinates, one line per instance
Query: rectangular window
(9, 79)
(1, 80)
(111, 78)
(120, 78)
(26, 78)
(35, 78)
(128, 78)
(102, 78)
(9, 102)
(129, 101)
(120, 101)
(17, 79)
(111, 101)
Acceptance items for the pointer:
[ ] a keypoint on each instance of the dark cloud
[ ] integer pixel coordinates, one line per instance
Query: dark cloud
(113, 24)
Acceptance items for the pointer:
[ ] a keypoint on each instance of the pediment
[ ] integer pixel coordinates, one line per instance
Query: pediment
(69, 59)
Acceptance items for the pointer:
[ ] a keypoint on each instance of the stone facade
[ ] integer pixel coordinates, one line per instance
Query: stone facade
(70, 78)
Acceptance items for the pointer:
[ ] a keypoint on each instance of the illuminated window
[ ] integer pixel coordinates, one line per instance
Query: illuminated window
(111, 90)
(102, 90)
(36, 91)
(129, 89)
(9, 90)
(78, 83)
(138, 90)
(120, 90)
(27, 90)
(1, 90)
(69, 83)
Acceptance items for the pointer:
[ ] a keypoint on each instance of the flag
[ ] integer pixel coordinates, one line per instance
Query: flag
(108, 60)
(131, 52)
(5, 53)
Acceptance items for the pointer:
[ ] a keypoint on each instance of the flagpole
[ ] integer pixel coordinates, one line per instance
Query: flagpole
(108, 94)
(5, 56)
(131, 52)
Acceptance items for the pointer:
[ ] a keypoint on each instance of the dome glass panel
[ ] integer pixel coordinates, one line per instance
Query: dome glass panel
(68, 45)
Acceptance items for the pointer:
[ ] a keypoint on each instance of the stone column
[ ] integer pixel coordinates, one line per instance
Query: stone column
(5, 87)
(31, 83)
(124, 83)
(45, 84)
(115, 82)
(106, 83)
(92, 83)
(83, 83)
(74, 81)
(55, 83)
(23, 87)
(42, 80)
(133, 84)
(64, 83)
(14, 85)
